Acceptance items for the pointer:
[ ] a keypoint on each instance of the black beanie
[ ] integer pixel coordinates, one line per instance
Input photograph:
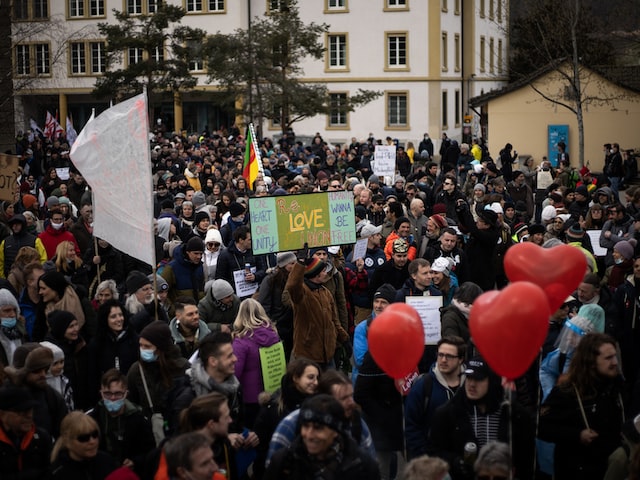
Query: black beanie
(135, 281)
(195, 244)
(236, 209)
(159, 334)
(201, 216)
(59, 321)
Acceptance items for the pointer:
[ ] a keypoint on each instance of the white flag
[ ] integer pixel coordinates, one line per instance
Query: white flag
(112, 153)
(71, 132)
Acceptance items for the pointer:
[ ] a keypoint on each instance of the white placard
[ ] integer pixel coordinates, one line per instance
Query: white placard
(385, 161)
(598, 251)
(360, 249)
(63, 173)
(429, 310)
(244, 288)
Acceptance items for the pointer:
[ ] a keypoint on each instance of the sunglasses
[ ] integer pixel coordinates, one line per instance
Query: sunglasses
(84, 438)
(448, 183)
(213, 245)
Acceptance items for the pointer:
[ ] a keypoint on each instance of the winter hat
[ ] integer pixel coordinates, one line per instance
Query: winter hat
(582, 190)
(489, 217)
(322, 175)
(623, 247)
(236, 209)
(158, 333)
(480, 186)
(221, 289)
(313, 251)
(183, 196)
(39, 358)
(7, 299)
(161, 283)
(556, 197)
(64, 201)
(21, 353)
(399, 179)
(322, 409)
(548, 213)
(370, 229)
(439, 220)
(313, 267)
(441, 264)
(58, 353)
(520, 228)
(575, 232)
(400, 246)
(122, 473)
(374, 179)
(594, 313)
(15, 399)
(198, 199)
(55, 281)
(213, 236)
(135, 281)
(52, 201)
(195, 244)
(361, 212)
(536, 228)
(200, 216)
(285, 258)
(440, 209)
(59, 321)
(585, 171)
(496, 207)
(564, 216)
(29, 200)
(386, 292)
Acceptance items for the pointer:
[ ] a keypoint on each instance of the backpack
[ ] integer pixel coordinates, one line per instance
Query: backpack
(427, 390)
(574, 178)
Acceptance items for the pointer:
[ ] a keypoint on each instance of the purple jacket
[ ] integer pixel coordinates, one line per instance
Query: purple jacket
(248, 370)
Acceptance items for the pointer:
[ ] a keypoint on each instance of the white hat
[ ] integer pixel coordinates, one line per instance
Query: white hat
(548, 213)
(370, 229)
(441, 264)
(496, 207)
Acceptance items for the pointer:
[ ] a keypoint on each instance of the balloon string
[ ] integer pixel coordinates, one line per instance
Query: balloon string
(507, 402)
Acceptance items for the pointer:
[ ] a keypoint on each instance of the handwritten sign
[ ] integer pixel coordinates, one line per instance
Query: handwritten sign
(385, 161)
(63, 173)
(360, 250)
(273, 366)
(8, 176)
(288, 222)
(429, 310)
(243, 287)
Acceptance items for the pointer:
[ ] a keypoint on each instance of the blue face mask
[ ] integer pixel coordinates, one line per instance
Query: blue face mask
(113, 406)
(8, 322)
(148, 355)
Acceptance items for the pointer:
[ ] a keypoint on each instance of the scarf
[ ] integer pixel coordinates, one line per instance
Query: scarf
(223, 307)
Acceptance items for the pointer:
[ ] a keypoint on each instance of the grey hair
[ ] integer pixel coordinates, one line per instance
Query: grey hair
(111, 285)
(494, 455)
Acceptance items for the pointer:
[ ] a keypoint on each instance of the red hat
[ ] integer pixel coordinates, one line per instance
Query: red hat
(29, 200)
(440, 208)
(439, 221)
(585, 171)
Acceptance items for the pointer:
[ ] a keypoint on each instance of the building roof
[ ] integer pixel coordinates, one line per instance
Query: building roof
(623, 76)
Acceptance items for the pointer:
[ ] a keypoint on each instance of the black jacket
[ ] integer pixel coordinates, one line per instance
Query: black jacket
(31, 462)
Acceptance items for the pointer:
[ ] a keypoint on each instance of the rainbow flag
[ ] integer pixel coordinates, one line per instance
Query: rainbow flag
(252, 162)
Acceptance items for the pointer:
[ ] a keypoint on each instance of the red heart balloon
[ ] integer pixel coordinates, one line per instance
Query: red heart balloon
(396, 339)
(557, 270)
(509, 326)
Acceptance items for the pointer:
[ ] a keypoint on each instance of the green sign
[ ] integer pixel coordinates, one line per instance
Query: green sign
(288, 222)
(273, 366)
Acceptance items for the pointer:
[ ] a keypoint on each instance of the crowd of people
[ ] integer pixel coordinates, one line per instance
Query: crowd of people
(118, 369)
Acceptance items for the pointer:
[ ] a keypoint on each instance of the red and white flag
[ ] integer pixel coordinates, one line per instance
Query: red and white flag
(52, 129)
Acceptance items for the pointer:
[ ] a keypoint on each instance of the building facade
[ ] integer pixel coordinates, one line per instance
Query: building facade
(426, 57)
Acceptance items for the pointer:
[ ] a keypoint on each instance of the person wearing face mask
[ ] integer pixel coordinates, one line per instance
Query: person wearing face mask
(125, 433)
(56, 233)
(157, 381)
(12, 329)
(623, 256)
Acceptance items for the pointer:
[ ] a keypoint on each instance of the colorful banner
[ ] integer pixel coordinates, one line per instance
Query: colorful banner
(288, 222)
(273, 365)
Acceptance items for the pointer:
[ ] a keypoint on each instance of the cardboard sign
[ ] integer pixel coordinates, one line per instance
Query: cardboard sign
(288, 222)
(273, 366)
(429, 310)
(385, 161)
(8, 176)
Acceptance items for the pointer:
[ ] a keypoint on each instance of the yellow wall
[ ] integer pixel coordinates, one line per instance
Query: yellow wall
(521, 118)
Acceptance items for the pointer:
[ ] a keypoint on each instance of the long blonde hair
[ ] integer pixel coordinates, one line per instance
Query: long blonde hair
(251, 315)
(74, 424)
(61, 256)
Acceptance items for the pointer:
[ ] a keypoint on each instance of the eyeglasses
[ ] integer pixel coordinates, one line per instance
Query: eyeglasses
(447, 356)
(213, 245)
(113, 395)
(84, 438)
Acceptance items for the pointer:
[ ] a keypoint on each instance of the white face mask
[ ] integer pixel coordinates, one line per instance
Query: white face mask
(56, 226)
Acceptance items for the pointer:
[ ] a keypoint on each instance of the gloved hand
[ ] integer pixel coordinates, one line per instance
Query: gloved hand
(303, 253)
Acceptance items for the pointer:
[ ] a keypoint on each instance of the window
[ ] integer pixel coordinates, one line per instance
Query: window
(216, 5)
(481, 8)
(338, 115)
(492, 57)
(499, 11)
(456, 7)
(397, 51)
(33, 59)
(153, 5)
(482, 54)
(194, 6)
(158, 54)
(337, 52)
(195, 51)
(134, 55)
(396, 5)
(333, 6)
(134, 7)
(85, 8)
(445, 106)
(276, 5)
(445, 52)
(500, 64)
(30, 9)
(397, 110)
(456, 48)
(445, 7)
(491, 7)
(87, 58)
(456, 113)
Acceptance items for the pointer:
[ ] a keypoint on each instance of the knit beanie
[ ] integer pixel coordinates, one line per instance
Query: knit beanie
(161, 283)
(158, 334)
(213, 236)
(59, 321)
(236, 209)
(285, 258)
(623, 247)
(441, 264)
(386, 292)
(135, 281)
(7, 299)
(313, 266)
(200, 216)
(55, 281)
(58, 353)
(221, 289)
(439, 220)
(29, 200)
(198, 199)
(195, 244)
(480, 186)
(548, 213)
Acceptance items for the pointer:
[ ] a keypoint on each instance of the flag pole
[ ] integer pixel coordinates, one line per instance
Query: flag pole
(256, 150)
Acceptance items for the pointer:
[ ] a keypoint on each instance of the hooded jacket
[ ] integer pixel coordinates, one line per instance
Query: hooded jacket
(183, 277)
(179, 340)
(215, 314)
(13, 243)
